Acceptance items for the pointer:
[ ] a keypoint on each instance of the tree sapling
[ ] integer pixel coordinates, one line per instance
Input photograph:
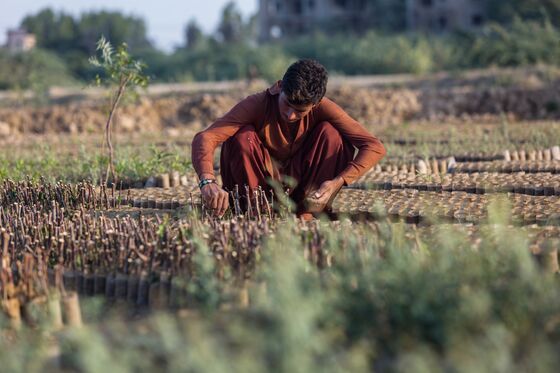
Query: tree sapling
(122, 72)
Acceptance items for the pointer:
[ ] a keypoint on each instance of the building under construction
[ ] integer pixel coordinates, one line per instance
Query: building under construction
(19, 40)
(445, 15)
(285, 18)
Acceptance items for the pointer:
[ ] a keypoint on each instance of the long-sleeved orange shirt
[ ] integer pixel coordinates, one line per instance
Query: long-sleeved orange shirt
(261, 111)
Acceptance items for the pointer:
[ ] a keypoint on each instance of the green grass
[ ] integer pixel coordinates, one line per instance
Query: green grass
(88, 162)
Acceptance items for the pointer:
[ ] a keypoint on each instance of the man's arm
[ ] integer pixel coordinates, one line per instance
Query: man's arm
(205, 143)
(370, 148)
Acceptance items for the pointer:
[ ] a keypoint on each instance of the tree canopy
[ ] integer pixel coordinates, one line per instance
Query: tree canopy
(519, 32)
(74, 38)
(505, 12)
(230, 28)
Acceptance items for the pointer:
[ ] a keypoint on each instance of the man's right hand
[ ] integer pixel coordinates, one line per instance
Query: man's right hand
(215, 198)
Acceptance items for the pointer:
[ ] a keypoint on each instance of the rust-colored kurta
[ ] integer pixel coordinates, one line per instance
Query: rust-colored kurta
(261, 111)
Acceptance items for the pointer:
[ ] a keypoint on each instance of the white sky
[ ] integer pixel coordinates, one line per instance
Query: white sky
(165, 19)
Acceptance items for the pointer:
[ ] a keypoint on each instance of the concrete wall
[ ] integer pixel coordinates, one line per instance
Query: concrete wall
(445, 15)
(281, 18)
(284, 18)
(20, 41)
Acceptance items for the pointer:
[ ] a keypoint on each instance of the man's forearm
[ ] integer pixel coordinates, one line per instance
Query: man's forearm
(202, 156)
(365, 159)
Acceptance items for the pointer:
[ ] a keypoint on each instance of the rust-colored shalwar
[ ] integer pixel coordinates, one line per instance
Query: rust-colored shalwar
(258, 145)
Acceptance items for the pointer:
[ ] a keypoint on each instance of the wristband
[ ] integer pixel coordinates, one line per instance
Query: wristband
(205, 182)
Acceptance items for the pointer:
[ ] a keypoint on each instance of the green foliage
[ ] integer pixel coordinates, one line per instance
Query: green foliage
(371, 54)
(193, 35)
(115, 27)
(214, 61)
(390, 14)
(506, 12)
(524, 43)
(74, 38)
(383, 305)
(62, 32)
(119, 66)
(526, 32)
(134, 163)
(231, 25)
(54, 31)
(36, 70)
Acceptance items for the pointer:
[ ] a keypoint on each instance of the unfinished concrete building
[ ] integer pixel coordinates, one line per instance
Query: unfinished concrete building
(445, 15)
(283, 18)
(19, 40)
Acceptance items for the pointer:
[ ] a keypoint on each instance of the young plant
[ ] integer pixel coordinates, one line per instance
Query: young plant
(122, 72)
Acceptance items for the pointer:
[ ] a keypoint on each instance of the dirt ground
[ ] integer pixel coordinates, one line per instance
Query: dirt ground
(474, 97)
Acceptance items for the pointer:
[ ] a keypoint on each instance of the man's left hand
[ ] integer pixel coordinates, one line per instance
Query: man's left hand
(323, 195)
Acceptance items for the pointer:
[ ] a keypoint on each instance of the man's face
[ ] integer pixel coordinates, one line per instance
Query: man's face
(291, 113)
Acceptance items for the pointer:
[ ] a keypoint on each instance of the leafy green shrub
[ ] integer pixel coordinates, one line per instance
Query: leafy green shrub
(372, 54)
(36, 68)
(213, 61)
(525, 43)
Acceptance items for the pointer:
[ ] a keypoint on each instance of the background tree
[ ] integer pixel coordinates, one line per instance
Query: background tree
(389, 15)
(521, 32)
(116, 27)
(230, 29)
(74, 39)
(193, 35)
(506, 11)
(54, 31)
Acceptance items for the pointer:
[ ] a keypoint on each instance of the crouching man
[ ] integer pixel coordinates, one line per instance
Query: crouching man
(292, 130)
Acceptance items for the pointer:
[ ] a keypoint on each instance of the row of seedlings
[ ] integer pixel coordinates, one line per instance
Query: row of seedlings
(540, 184)
(141, 261)
(551, 154)
(415, 207)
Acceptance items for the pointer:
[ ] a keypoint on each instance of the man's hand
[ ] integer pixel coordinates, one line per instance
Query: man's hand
(326, 191)
(215, 198)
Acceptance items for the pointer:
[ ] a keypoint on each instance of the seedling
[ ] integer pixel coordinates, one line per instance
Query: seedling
(122, 72)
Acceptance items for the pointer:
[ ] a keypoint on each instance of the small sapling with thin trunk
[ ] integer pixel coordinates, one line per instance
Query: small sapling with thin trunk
(121, 72)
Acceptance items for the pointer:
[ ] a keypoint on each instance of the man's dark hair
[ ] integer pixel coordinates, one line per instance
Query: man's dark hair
(305, 82)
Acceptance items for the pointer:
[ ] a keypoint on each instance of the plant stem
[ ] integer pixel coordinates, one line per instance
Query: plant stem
(111, 165)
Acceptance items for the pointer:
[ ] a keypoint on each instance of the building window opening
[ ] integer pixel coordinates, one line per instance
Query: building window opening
(427, 3)
(278, 6)
(311, 4)
(442, 23)
(477, 20)
(340, 3)
(298, 7)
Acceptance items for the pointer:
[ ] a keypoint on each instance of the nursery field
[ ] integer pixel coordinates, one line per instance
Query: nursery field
(442, 258)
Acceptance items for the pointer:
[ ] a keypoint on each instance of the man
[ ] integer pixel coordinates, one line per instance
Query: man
(292, 130)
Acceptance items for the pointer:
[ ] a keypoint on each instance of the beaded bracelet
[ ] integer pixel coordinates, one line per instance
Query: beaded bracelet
(204, 182)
